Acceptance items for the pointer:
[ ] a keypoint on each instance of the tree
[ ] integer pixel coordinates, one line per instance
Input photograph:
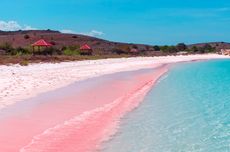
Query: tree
(168, 49)
(156, 48)
(194, 49)
(118, 51)
(208, 48)
(172, 49)
(201, 50)
(6, 47)
(164, 48)
(181, 47)
(124, 48)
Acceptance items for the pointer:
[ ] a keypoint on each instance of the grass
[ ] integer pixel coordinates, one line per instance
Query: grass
(24, 63)
(27, 59)
(71, 52)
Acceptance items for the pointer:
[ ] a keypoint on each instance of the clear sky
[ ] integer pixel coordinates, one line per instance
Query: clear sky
(137, 21)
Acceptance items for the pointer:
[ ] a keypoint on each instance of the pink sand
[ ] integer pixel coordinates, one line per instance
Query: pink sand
(75, 121)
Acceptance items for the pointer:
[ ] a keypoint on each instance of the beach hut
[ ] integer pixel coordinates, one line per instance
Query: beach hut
(41, 43)
(86, 50)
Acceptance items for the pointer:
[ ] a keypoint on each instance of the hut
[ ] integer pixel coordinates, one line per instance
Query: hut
(41, 43)
(86, 50)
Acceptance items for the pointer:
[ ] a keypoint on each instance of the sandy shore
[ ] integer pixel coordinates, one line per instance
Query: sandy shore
(76, 118)
(18, 83)
(66, 119)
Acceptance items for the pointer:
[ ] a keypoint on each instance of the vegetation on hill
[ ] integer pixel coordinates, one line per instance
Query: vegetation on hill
(16, 45)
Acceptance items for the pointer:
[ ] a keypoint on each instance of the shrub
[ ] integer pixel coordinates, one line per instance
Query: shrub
(50, 51)
(63, 48)
(169, 49)
(208, 48)
(181, 47)
(73, 47)
(7, 47)
(194, 49)
(122, 49)
(26, 36)
(156, 48)
(70, 52)
(119, 51)
(164, 48)
(24, 63)
(21, 50)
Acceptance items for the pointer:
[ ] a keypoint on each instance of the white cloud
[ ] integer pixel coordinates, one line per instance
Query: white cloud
(91, 33)
(27, 27)
(94, 33)
(68, 31)
(13, 26)
(9, 26)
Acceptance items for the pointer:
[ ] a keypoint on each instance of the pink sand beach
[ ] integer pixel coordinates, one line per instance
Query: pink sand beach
(79, 117)
(75, 120)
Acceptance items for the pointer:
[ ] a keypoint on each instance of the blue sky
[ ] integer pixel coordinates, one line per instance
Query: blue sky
(136, 21)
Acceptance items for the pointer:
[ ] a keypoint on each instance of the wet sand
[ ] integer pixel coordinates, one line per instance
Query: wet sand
(76, 118)
(18, 83)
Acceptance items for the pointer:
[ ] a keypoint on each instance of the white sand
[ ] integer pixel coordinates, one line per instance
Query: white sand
(18, 83)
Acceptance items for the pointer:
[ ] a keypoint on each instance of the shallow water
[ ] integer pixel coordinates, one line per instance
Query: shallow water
(187, 111)
(76, 118)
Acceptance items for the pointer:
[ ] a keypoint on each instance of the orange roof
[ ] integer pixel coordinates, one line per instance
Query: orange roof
(41, 43)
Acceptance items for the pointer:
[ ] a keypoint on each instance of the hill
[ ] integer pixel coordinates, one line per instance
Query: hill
(217, 45)
(24, 39)
(59, 40)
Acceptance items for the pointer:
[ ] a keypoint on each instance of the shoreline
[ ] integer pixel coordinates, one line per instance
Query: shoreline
(18, 83)
(80, 124)
(105, 120)
(110, 98)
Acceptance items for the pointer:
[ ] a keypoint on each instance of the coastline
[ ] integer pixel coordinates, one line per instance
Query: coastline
(75, 114)
(86, 121)
(104, 120)
(18, 83)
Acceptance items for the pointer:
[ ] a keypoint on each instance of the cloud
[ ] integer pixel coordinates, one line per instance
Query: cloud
(68, 31)
(14, 26)
(27, 27)
(9, 26)
(94, 33)
(91, 33)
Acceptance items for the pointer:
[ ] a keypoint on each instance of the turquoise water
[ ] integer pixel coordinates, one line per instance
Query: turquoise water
(187, 111)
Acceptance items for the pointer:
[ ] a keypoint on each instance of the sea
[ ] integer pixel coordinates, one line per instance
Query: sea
(188, 110)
